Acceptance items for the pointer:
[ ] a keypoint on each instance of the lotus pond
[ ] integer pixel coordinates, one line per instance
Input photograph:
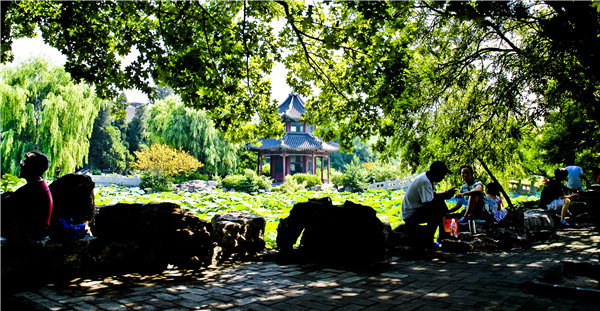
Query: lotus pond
(272, 206)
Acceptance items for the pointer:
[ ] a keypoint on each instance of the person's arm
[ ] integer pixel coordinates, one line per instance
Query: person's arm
(446, 195)
(477, 190)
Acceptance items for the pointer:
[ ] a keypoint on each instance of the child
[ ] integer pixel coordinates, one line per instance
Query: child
(493, 201)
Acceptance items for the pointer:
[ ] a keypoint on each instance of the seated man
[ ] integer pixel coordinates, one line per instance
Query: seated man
(554, 195)
(422, 204)
(26, 212)
(471, 195)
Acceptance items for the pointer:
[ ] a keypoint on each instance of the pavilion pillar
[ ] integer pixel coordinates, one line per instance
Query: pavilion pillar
(328, 167)
(284, 166)
(322, 158)
(260, 163)
(313, 165)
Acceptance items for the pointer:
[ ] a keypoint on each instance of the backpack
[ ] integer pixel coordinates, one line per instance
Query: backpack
(65, 230)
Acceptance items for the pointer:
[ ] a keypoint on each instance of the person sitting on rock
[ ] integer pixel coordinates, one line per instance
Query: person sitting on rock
(26, 213)
(470, 195)
(554, 195)
(422, 204)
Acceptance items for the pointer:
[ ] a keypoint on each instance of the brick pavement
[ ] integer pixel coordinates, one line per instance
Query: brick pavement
(480, 281)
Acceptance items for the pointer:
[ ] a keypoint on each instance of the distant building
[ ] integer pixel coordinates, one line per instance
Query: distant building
(134, 99)
(299, 149)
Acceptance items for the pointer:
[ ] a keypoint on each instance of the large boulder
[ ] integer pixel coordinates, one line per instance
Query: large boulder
(238, 235)
(73, 197)
(539, 224)
(348, 233)
(150, 236)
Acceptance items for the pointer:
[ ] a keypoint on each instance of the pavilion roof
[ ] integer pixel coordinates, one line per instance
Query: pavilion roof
(296, 141)
(293, 107)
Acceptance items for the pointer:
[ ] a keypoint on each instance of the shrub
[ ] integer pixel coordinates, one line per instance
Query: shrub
(292, 185)
(337, 177)
(379, 171)
(183, 177)
(356, 176)
(163, 163)
(10, 183)
(266, 170)
(248, 182)
(308, 179)
(160, 182)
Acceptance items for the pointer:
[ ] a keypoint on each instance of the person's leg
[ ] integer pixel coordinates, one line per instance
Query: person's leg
(474, 207)
(437, 210)
(565, 209)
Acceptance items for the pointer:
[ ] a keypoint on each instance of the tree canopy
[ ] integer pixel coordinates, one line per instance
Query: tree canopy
(43, 109)
(458, 80)
(170, 122)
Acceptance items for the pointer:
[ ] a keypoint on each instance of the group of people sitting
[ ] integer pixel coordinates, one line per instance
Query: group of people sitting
(422, 204)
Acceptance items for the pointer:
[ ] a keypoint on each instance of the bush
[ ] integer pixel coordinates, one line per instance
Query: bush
(160, 163)
(337, 177)
(161, 159)
(183, 177)
(292, 185)
(266, 170)
(356, 176)
(10, 183)
(160, 182)
(308, 179)
(248, 182)
(379, 171)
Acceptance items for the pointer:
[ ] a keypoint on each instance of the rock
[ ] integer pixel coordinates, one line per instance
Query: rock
(73, 197)
(197, 185)
(238, 235)
(29, 264)
(509, 239)
(148, 237)
(349, 233)
(539, 224)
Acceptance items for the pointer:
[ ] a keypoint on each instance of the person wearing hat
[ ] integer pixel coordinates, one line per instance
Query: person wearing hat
(422, 204)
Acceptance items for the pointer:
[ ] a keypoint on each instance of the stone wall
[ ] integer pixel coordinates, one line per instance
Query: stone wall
(136, 238)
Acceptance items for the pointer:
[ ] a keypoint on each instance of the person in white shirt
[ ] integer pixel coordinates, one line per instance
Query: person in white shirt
(422, 204)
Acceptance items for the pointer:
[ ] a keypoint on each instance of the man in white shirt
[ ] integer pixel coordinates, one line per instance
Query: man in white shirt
(423, 205)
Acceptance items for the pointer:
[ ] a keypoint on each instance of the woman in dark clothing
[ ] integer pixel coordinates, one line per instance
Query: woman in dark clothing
(554, 195)
(26, 212)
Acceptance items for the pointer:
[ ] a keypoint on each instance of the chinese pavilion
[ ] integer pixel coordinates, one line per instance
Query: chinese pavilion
(299, 149)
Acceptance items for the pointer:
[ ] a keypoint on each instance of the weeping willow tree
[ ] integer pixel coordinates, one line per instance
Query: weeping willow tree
(44, 109)
(170, 122)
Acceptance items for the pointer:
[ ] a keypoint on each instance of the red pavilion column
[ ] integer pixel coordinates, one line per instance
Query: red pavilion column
(260, 163)
(328, 168)
(322, 158)
(284, 166)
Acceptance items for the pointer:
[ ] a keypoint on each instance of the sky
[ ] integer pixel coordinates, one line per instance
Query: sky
(32, 47)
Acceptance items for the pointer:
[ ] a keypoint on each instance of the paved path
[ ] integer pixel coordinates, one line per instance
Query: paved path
(491, 281)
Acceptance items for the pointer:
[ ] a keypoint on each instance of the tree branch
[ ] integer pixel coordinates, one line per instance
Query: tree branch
(311, 62)
(246, 48)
